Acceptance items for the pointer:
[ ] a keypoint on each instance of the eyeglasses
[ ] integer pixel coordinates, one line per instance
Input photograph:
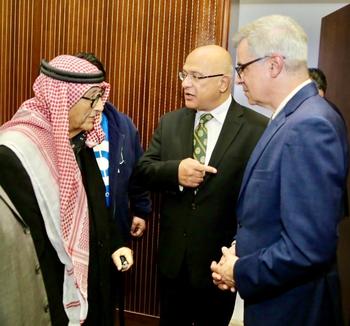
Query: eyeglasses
(94, 100)
(240, 67)
(195, 76)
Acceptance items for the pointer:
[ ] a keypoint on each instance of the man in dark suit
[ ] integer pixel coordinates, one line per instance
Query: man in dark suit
(198, 199)
(292, 194)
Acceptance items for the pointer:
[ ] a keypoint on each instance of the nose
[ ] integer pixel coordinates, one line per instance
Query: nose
(99, 106)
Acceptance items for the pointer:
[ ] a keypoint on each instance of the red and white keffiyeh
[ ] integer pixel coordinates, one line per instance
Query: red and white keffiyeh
(38, 134)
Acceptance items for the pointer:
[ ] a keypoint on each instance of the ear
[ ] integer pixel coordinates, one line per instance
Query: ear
(276, 64)
(225, 83)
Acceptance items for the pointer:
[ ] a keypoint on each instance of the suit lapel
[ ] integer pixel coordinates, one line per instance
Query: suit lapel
(185, 131)
(116, 139)
(9, 204)
(260, 146)
(229, 131)
(306, 92)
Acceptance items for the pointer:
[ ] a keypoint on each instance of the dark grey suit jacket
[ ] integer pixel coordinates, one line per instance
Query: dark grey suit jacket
(23, 299)
(193, 226)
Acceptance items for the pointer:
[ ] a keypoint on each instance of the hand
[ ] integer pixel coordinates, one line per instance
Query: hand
(138, 227)
(191, 173)
(217, 278)
(223, 271)
(231, 250)
(127, 253)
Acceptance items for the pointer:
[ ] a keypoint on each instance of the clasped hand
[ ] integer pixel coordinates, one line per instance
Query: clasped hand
(191, 173)
(222, 272)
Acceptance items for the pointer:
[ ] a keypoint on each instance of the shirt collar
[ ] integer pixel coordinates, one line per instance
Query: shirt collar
(289, 96)
(219, 113)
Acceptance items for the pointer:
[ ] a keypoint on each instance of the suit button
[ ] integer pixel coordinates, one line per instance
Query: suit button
(37, 269)
(185, 234)
(193, 206)
(100, 244)
(46, 308)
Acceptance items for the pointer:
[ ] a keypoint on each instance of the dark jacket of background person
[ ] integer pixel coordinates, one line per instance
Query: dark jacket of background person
(127, 199)
(21, 282)
(195, 227)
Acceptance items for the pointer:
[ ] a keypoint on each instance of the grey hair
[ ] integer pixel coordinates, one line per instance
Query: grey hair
(276, 34)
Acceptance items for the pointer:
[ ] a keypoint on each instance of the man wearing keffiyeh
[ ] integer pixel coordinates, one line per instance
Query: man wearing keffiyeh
(50, 173)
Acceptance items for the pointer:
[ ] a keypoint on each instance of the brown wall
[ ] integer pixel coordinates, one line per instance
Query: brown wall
(143, 44)
(334, 60)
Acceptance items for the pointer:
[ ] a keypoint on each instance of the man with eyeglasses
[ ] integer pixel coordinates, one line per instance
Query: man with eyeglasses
(196, 160)
(283, 262)
(50, 175)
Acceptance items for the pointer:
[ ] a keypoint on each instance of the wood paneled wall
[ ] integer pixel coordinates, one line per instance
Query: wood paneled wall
(143, 44)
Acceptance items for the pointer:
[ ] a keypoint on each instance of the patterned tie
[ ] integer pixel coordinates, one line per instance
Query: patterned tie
(200, 138)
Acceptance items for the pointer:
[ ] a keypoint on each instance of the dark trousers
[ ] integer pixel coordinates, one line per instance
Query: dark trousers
(181, 304)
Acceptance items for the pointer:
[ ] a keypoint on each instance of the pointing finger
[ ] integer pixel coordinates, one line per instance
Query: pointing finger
(209, 169)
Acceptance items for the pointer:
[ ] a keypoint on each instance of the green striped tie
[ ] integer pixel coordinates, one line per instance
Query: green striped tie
(200, 138)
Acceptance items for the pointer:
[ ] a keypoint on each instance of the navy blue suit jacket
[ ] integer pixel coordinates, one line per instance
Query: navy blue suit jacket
(288, 210)
(127, 196)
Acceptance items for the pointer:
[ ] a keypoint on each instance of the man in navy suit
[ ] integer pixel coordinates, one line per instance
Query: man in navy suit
(283, 263)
